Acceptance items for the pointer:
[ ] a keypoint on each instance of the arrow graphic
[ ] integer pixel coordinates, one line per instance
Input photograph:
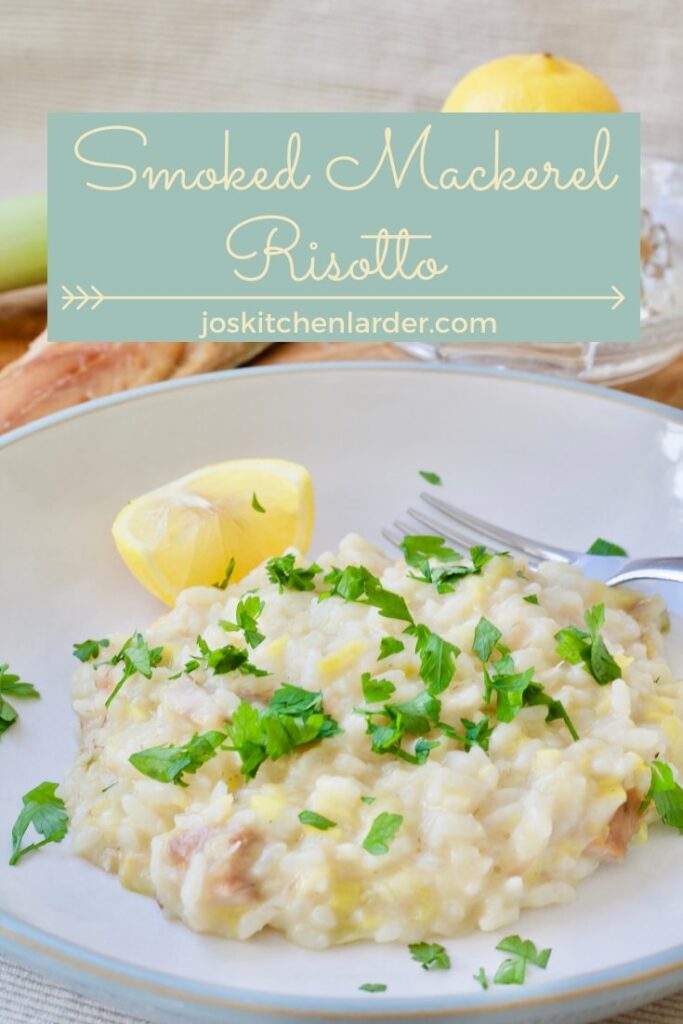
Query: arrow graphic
(94, 297)
(82, 297)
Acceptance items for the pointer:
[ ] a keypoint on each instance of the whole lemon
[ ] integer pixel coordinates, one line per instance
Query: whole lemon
(531, 83)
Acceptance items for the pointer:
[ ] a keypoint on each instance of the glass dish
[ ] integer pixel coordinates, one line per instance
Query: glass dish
(661, 308)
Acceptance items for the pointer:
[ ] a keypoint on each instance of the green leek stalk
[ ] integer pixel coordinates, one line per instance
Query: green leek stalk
(23, 242)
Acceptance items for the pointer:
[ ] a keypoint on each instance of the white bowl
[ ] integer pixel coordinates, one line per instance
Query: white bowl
(562, 462)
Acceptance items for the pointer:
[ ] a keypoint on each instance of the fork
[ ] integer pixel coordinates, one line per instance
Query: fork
(462, 528)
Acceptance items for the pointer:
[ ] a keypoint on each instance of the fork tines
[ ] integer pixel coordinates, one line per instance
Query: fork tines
(466, 530)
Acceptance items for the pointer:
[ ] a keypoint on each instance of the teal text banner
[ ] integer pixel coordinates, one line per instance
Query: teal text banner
(344, 227)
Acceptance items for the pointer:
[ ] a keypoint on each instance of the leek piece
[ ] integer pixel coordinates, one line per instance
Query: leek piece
(23, 241)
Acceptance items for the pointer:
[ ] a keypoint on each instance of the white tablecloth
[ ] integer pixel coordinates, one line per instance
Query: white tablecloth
(25, 998)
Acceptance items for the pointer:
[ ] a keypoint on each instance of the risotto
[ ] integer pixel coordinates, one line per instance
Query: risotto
(411, 755)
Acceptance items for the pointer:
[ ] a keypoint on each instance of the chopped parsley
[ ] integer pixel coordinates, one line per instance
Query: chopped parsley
(514, 690)
(356, 583)
(486, 636)
(368, 800)
(89, 649)
(12, 685)
(225, 659)
(535, 695)
(169, 763)
(376, 690)
(46, 812)
(289, 576)
(8, 716)
(606, 547)
(666, 795)
(437, 658)
(372, 986)
(247, 612)
(531, 599)
(137, 657)
(292, 718)
(431, 955)
(223, 584)
(481, 556)
(576, 646)
(421, 550)
(388, 727)
(256, 504)
(512, 971)
(389, 645)
(431, 478)
(480, 976)
(318, 821)
(418, 714)
(382, 833)
(475, 733)
(517, 690)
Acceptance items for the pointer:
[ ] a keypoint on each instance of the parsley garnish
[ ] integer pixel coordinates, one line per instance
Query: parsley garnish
(368, 800)
(431, 478)
(8, 716)
(89, 649)
(223, 584)
(556, 711)
(169, 763)
(283, 571)
(486, 636)
(509, 687)
(514, 690)
(666, 794)
(475, 733)
(531, 599)
(480, 976)
(246, 614)
(576, 646)
(410, 718)
(389, 645)
(419, 548)
(481, 556)
(371, 986)
(318, 821)
(376, 690)
(437, 658)
(46, 812)
(136, 657)
(256, 504)
(12, 686)
(224, 659)
(606, 547)
(512, 971)
(382, 833)
(431, 955)
(356, 583)
(292, 718)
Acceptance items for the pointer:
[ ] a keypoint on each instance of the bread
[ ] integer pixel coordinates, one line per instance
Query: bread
(55, 375)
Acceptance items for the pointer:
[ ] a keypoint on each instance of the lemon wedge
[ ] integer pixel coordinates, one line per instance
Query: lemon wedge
(185, 533)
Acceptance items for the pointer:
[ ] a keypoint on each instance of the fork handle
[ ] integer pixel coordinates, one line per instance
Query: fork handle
(649, 569)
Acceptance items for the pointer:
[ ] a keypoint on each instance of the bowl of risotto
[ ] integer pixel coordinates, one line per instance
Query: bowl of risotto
(360, 781)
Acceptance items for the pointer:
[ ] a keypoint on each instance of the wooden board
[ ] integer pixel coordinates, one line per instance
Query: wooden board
(23, 316)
